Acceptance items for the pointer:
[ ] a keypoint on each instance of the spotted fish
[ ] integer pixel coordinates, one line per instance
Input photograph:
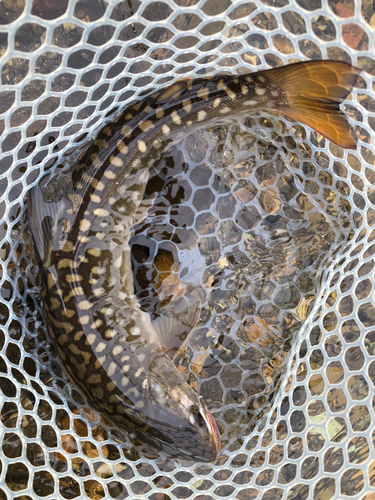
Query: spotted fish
(81, 223)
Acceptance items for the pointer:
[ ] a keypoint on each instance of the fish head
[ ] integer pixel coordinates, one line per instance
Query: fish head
(181, 425)
(206, 428)
(195, 419)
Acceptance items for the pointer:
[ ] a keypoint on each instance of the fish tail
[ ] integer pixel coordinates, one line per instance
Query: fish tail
(315, 90)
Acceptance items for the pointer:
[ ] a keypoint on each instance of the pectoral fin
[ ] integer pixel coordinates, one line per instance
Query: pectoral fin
(44, 217)
(176, 322)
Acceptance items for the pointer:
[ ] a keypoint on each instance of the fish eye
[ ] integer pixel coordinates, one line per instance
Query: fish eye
(196, 417)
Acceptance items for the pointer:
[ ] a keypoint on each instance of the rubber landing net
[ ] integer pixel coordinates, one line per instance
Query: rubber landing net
(66, 67)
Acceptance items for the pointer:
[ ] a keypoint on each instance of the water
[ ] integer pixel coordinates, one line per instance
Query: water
(249, 219)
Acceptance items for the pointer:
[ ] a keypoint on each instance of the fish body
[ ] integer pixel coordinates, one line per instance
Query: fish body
(81, 224)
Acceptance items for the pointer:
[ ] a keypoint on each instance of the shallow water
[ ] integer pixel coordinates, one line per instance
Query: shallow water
(251, 220)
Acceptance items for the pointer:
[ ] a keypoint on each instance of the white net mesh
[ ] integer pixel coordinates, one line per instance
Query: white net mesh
(65, 66)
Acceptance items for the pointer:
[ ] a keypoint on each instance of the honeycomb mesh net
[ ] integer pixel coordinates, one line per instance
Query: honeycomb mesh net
(306, 430)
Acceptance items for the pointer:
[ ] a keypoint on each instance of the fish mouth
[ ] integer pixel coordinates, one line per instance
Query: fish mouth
(215, 434)
(214, 431)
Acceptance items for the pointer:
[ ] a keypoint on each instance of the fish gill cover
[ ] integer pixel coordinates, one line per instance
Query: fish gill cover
(301, 207)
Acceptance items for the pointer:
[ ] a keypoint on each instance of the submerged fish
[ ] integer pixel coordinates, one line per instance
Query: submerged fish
(81, 224)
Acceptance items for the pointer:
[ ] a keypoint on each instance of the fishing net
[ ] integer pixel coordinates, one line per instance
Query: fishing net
(281, 218)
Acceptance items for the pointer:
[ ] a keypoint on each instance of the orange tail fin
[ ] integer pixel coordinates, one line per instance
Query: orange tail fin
(315, 89)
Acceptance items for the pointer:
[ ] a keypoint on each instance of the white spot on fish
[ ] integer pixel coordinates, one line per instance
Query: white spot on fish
(100, 143)
(216, 102)
(100, 212)
(122, 147)
(260, 91)
(201, 115)
(176, 118)
(126, 130)
(117, 263)
(95, 160)
(110, 333)
(225, 110)
(142, 146)
(187, 106)
(110, 386)
(99, 361)
(261, 79)
(96, 324)
(221, 85)
(133, 390)
(100, 347)
(107, 311)
(91, 338)
(111, 369)
(84, 225)
(109, 175)
(117, 350)
(165, 129)
(83, 320)
(116, 161)
(250, 103)
(98, 270)
(230, 93)
(203, 93)
(83, 239)
(95, 198)
(84, 305)
(146, 125)
(121, 189)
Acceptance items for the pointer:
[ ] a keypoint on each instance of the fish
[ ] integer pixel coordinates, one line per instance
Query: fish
(81, 223)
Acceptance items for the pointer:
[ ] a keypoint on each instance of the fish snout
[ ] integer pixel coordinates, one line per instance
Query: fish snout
(212, 428)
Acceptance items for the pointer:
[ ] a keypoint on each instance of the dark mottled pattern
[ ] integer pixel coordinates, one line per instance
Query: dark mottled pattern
(177, 108)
